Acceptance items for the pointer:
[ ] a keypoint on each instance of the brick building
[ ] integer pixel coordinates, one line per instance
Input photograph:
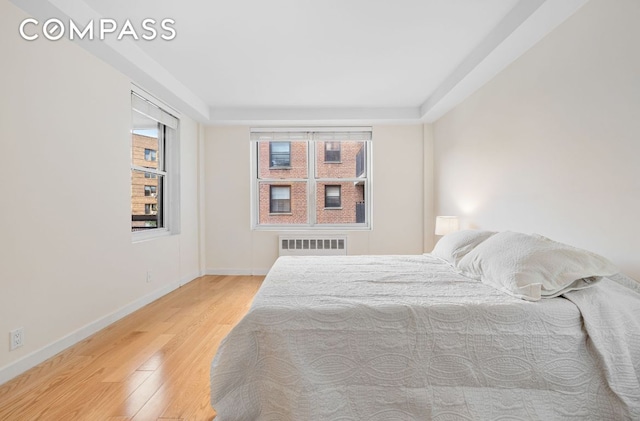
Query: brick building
(336, 201)
(144, 185)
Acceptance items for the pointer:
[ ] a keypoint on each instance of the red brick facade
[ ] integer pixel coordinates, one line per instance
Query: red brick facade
(139, 181)
(352, 192)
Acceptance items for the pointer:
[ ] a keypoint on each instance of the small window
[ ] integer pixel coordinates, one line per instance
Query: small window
(332, 197)
(149, 175)
(332, 151)
(280, 199)
(280, 154)
(150, 191)
(150, 155)
(150, 208)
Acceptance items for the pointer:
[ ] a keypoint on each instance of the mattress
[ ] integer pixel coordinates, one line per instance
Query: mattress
(409, 338)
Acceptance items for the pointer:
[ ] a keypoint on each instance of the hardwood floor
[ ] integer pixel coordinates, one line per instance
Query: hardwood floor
(151, 365)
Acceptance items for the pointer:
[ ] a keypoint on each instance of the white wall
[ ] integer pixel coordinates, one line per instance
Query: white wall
(68, 262)
(552, 144)
(398, 195)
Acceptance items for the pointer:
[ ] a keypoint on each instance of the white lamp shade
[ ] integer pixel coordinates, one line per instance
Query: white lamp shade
(446, 224)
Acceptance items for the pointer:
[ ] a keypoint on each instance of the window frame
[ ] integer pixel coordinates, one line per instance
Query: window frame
(167, 171)
(314, 158)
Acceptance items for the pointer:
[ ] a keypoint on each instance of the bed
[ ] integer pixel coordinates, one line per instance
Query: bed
(414, 338)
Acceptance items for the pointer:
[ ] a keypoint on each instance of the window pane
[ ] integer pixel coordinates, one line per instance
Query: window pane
(278, 159)
(342, 203)
(145, 142)
(146, 203)
(344, 159)
(283, 203)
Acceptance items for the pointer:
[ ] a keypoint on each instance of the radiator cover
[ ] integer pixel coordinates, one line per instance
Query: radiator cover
(312, 245)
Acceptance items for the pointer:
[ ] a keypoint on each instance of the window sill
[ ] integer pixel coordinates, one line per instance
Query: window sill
(332, 208)
(280, 213)
(333, 162)
(280, 168)
(150, 234)
(311, 228)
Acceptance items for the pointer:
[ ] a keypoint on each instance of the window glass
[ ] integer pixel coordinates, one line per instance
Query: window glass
(312, 179)
(153, 133)
(277, 159)
(283, 203)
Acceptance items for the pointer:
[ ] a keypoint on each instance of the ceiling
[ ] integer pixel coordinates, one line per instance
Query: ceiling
(345, 61)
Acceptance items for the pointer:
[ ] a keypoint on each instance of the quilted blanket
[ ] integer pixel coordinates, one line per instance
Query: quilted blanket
(408, 338)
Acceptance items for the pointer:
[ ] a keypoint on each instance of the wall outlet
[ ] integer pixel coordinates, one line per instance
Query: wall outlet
(149, 276)
(16, 338)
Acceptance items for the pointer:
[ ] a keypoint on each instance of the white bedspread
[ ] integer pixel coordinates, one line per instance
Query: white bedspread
(611, 316)
(405, 338)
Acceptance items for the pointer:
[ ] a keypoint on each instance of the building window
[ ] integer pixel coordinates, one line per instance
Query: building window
(332, 197)
(154, 166)
(280, 154)
(150, 209)
(150, 190)
(150, 155)
(332, 152)
(280, 201)
(327, 183)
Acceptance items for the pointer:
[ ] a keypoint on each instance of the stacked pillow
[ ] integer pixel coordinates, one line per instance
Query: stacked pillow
(453, 247)
(530, 267)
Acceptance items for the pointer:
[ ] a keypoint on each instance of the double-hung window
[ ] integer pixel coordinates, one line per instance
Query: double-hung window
(280, 154)
(332, 197)
(280, 197)
(154, 161)
(315, 178)
(332, 152)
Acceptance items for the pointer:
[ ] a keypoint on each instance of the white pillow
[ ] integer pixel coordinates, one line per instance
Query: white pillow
(532, 267)
(453, 247)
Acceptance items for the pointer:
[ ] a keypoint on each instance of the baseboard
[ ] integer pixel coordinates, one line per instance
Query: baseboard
(36, 357)
(239, 272)
(191, 277)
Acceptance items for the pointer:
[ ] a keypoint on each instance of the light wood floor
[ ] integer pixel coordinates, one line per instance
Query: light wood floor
(151, 365)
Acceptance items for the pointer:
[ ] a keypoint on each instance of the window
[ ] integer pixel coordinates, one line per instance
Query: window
(150, 155)
(150, 190)
(280, 201)
(332, 152)
(280, 154)
(150, 209)
(326, 183)
(332, 197)
(154, 165)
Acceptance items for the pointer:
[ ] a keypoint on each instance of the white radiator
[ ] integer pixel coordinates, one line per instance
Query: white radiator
(312, 245)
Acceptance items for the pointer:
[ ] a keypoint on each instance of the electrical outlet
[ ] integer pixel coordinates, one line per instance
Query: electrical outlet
(149, 277)
(17, 338)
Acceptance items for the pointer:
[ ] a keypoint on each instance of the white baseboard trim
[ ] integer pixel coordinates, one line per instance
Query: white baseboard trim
(38, 356)
(243, 272)
(191, 277)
